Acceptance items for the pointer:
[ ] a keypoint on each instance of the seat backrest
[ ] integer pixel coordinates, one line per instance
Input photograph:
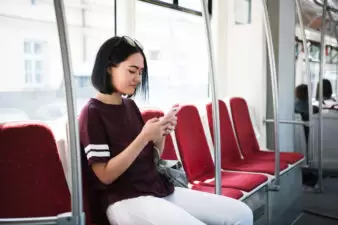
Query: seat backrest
(243, 127)
(229, 148)
(169, 152)
(192, 144)
(32, 180)
(90, 206)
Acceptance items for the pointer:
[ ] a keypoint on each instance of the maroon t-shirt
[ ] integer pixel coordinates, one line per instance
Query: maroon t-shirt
(105, 131)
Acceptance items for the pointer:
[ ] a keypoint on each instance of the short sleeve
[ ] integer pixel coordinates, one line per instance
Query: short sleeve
(93, 137)
(139, 114)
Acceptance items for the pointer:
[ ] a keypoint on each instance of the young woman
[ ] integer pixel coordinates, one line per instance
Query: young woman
(119, 149)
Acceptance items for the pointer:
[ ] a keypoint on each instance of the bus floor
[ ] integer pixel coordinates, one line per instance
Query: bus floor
(320, 208)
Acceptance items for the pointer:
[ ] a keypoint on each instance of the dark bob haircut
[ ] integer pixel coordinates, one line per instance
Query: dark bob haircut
(301, 92)
(327, 90)
(112, 52)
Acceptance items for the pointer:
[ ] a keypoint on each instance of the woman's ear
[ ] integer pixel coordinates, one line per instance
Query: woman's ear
(109, 70)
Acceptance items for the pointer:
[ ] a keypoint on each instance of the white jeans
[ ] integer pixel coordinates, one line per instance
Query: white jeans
(184, 206)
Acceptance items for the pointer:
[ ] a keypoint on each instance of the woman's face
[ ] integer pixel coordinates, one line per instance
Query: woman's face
(127, 75)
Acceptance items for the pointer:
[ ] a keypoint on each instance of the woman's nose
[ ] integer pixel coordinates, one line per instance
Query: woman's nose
(138, 79)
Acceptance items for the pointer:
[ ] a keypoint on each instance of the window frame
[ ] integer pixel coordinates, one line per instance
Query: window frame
(33, 58)
(176, 6)
(249, 14)
(334, 55)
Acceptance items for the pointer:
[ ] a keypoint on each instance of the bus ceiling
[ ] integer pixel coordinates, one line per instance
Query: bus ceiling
(312, 15)
(332, 5)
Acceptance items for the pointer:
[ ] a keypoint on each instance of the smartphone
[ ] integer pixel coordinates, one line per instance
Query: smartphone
(172, 112)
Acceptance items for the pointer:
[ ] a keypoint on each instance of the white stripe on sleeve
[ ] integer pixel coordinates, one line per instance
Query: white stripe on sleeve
(96, 148)
(98, 154)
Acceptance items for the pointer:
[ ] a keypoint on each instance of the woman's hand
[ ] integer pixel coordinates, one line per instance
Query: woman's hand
(170, 124)
(154, 129)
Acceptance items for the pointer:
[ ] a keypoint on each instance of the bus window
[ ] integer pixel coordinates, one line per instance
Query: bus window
(334, 56)
(174, 42)
(32, 86)
(191, 4)
(314, 52)
(243, 11)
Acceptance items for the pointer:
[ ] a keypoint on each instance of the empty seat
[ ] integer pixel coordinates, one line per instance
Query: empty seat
(196, 157)
(32, 180)
(169, 149)
(230, 153)
(246, 136)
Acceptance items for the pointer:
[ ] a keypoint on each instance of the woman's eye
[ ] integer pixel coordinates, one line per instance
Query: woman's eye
(132, 72)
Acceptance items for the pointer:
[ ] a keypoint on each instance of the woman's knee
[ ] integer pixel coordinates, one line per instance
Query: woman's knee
(149, 211)
(238, 213)
(116, 214)
(244, 215)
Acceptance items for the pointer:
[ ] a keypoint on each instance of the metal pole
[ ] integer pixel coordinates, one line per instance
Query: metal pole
(74, 146)
(215, 111)
(309, 83)
(28, 221)
(293, 122)
(321, 72)
(115, 17)
(336, 33)
(274, 84)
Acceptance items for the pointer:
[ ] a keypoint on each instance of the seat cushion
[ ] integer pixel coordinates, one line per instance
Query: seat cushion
(286, 157)
(254, 165)
(241, 181)
(228, 192)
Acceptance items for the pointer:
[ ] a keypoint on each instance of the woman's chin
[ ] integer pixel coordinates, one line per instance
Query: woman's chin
(129, 92)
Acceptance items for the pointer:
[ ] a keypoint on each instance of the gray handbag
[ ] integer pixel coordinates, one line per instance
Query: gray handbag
(173, 171)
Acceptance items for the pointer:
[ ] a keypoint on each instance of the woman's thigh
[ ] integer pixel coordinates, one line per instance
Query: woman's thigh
(212, 209)
(149, 210)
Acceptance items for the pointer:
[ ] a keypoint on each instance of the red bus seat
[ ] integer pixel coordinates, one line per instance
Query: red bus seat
(196, 157)
(246, 135)
(230, 153)
(169, 152)
(32, 180)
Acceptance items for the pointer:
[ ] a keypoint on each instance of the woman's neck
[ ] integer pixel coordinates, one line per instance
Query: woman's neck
(113, 99)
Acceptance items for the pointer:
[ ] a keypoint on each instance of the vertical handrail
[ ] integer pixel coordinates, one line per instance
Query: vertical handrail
(309, 83)
(274, 84)
(335, 25)
(321, 73)
(77, 211)
(215, 111)
(115, 17)
(336, 35)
